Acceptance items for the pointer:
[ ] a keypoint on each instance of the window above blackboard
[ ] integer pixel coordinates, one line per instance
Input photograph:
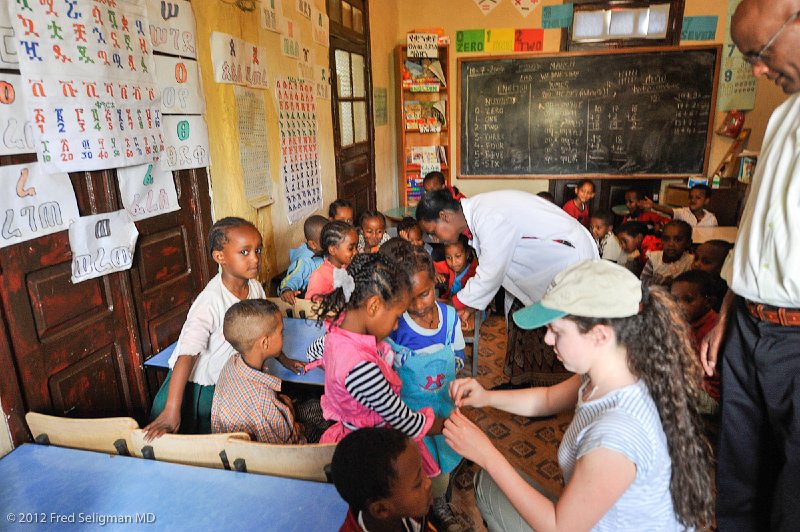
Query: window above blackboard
(623, 24)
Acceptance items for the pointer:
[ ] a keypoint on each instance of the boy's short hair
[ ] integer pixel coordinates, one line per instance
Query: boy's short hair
(720, 246)
(632, 228)
(684, 227)
(218, 235)
(337, 204)
(406, 224)
(705, 188)
(247, 321)
(434, 176)
(604, 216)
(705, 282)
(371, 214)
(546, 195)
(639, 194)
(363, 465)
(312, 227)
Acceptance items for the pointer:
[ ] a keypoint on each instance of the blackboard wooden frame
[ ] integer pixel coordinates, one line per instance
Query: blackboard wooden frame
(563, 55)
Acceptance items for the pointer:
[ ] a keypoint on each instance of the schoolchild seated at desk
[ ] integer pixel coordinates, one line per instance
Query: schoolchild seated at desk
(695, 214)
(664, 265)
(637, 214)
(304, 260)
(246, 398)
(636, 242)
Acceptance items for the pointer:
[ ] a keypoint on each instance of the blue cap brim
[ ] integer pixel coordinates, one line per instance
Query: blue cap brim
(536, 315)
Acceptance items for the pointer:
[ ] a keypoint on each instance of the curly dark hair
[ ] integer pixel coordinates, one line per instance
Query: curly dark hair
(412, 259)
(684, 228)
(366, 215)
(218, 235)
(332, 234)
(363, 465)
(374, 274)
(660, 352)
(432, 203)
(337, 204)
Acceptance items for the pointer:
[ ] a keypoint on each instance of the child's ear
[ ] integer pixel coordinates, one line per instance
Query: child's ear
(374, 304)
(381, 509)
(218, 256)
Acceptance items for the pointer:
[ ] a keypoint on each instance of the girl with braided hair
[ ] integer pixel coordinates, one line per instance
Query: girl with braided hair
(361, 388)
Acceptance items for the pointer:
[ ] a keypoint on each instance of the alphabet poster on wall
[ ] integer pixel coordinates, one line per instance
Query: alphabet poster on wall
(253, 146)
(8, 46)
(179, 82)
(271, 15)
(304, 8)
(102, 244)
(34, 204)
(172, 27)
(297, 119)
(290, 46)
(320, 27)
(16, 131)
(89, 81)
(147, 190)
(322, 82)
(238, 62)
(305, 63)
(185, 142)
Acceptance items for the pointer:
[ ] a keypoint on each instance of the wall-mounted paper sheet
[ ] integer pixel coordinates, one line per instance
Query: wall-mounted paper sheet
(147, 190)
(320, 26)
(238, 62)
(172, 27)
(526, 7)
(322, 82)
(290, 46)
(486, 6)
(102, 244)
(185, 142)
(422, 45)
(16, 130)
(271, 14)
(557, 16)
(306, 63)
(254, 146)
(304, 7)
(179, 82)
(89, 81)
(8, 44)
(34, 204)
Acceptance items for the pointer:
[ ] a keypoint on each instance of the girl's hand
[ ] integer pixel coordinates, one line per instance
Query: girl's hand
(440, 278)
(295, 366)
(467, 439)
(290, 296)
(468, 392)
(166, 422)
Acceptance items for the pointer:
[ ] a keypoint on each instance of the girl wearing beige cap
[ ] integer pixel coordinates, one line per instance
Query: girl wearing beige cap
(634, 456)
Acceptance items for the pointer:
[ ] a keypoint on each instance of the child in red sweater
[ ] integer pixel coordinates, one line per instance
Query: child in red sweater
(458, 266)
(578, 207)
(636, 242)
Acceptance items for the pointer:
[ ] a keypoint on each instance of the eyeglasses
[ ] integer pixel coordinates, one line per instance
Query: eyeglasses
(752, 58)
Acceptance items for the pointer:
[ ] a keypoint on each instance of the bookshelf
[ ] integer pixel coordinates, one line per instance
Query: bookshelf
(423, 111)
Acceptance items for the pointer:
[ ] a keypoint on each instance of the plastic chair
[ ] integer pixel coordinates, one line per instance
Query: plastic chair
(106, 435)
(205, 450)
(306, 462)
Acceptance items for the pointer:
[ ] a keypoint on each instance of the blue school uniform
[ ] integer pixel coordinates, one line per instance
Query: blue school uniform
(427, 364)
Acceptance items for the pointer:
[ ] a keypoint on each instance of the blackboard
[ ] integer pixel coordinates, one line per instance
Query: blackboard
(604, 114)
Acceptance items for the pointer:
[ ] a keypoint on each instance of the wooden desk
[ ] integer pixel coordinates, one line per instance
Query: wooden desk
(46, 482)
(298, 335)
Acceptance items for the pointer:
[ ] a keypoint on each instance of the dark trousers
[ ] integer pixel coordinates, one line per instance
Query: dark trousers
(758, 463)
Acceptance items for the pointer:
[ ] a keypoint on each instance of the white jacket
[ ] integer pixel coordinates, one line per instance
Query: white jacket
(515, 236)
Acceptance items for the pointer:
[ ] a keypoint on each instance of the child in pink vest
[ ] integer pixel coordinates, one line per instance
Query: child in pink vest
(361, 388)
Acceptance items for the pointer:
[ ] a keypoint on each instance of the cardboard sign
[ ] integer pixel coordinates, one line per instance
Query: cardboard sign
(102, 244)
(34, 204)
(172, 27)
(185, 142)
(529, 40)
(179, 82)
(238, 62)
(16, 130)
(699, 28)
(422, 45)
(147, 190)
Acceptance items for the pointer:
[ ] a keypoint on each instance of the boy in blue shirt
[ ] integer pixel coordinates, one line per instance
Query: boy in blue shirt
(305, 258)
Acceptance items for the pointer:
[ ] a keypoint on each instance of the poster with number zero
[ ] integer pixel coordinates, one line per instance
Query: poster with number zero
(179, 83)
(16, 130)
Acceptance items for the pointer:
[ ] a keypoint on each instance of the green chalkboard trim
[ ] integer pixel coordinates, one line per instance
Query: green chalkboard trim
(562, 55)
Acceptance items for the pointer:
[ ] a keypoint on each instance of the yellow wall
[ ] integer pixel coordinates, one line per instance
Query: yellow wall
(454, 15)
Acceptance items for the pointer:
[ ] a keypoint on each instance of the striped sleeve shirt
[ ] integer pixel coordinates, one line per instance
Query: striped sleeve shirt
(625, 421)
(367, 384)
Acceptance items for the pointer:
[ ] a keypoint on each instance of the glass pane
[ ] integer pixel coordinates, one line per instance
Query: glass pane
(346, 123)
(621, 23)
(358, 75)
(344, 84)
(657, 25)
(335, 11)
(360, 121)
(358, 20)
(347, 15)
(588, 25)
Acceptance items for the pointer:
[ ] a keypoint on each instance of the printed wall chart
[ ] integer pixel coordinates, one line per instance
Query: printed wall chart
(253, 146)
(8, 46)
(297, 119)
(89, 81)
(320, 26)
(271, 15)
(179, 82)
(172, 27)
(34, 204)
(16, 131)
(102, 244)
(185, 142)
(238, 62)
(147, 190)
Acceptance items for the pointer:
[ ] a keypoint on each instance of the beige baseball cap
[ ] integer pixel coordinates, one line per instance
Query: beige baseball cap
(590, 289)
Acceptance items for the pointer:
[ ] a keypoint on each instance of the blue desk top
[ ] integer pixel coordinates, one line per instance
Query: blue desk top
(87, 487)
(298, 335)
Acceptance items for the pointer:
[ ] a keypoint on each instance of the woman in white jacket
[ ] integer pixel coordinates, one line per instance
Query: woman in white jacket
(522, 241)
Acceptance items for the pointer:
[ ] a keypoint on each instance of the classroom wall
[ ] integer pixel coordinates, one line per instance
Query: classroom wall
(454, 15)
(5, 434)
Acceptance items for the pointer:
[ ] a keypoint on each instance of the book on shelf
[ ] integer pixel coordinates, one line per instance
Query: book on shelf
(420, 155)
(426, 117)
(423, 75)
(414, 189)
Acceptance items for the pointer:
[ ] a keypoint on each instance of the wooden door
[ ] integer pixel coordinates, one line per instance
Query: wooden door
(73, 347)
(351, 100)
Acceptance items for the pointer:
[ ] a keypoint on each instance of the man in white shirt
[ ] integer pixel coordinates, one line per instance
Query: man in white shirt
(758, 471)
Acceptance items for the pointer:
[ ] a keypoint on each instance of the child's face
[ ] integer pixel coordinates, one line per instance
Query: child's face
(455, 256)
(382, 317)
(241, 254)
(423, 294)
(708, 259)
(585, 193)
(432, 185)
(675, 243)
(341, 254)
(343, 214)
(413, 235)
(599, 228)
(697, 199)
(373, 229)
(411, 494)
(629, 243)
(690, 300)
(632, 202)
